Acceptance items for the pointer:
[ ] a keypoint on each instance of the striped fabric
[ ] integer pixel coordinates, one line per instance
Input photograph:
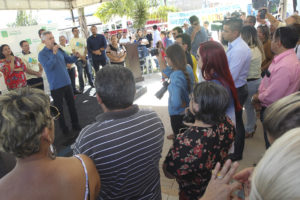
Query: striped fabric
(126, 147)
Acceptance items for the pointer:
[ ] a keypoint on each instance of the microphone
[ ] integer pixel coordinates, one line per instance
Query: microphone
(59, 47)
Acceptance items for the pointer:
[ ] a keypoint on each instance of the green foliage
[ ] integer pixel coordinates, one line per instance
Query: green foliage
(137, 10)
(141, 13)
(162, 12)
(109, 9)
(23, 19)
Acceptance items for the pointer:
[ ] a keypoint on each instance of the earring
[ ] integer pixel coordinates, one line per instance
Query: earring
(52, 152)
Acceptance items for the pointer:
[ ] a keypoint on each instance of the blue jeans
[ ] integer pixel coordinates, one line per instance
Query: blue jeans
(80, 66)
(250, 111)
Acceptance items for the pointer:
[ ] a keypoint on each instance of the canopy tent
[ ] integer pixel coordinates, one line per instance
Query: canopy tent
(45, 4)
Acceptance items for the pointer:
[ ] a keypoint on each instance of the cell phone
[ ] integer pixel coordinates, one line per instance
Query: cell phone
(263, 13)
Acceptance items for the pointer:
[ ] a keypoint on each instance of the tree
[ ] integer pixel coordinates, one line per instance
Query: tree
(137, 10)
(162, 12)
(109, 9)
(23, 19)
(141, 13)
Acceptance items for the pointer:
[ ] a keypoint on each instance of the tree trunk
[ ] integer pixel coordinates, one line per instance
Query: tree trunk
(82, 23)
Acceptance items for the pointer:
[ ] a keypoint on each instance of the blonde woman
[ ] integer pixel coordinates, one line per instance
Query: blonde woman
(276, 176)
(27, 131)
(249, 35)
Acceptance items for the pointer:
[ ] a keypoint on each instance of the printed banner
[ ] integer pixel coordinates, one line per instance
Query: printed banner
(205, 14)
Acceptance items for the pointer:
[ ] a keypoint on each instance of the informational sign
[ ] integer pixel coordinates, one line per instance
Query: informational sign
(13, 37)
(205, 14)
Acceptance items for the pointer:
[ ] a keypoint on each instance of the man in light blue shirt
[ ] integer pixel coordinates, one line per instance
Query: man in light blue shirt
(239, 57)
(198, 34)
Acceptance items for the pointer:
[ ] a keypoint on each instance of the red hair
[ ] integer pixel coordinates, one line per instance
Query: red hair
(215, 66)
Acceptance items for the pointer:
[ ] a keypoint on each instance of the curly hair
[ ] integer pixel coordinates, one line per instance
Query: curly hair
(24, 113)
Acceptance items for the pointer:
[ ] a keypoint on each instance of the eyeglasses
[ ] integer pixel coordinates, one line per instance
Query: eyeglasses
(54, 112)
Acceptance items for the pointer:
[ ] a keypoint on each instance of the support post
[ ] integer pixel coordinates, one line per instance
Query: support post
(82, 23)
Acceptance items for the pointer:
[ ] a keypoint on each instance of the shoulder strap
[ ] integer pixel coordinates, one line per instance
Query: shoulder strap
(87, 193)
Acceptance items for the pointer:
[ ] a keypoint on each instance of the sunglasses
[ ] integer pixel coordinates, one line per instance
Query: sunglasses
(54, 112)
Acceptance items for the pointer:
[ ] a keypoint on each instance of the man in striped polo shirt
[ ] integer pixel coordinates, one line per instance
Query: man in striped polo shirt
(125, 142)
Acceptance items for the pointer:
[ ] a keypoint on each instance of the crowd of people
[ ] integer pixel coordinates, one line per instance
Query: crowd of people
(117, 157)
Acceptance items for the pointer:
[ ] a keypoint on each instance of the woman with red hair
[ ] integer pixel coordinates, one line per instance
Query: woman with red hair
(214, 67)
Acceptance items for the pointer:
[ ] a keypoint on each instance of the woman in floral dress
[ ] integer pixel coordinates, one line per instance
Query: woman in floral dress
(12, 68)
(207, 141)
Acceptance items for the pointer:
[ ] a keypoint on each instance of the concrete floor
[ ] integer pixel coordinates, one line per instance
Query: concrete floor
(254, 147)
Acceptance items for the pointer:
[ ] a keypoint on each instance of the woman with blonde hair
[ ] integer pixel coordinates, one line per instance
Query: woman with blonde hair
(249, 35)
(27, 132)
(276, 176)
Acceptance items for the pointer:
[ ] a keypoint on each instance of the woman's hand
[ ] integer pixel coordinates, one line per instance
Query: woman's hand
(244, 177)
(161, 61)
(218, 187)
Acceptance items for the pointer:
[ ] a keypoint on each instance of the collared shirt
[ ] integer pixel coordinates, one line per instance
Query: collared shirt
(200, 37)
(79, 45)
(68, 50)
(126, 148)
(178, 89)
(239, 58)
(284, 79)
(31, 62)
(156, 38)
(55, 67)
(95, 43)
(40, 47)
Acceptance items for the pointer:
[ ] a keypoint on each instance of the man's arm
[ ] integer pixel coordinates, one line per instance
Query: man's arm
(32, 72)
(47, 61)
(104, 42)
(69, 59)
(88, 45)
(279, 83)
(40, 68)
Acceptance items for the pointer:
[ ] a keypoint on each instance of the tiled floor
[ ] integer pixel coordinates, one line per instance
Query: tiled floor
(253, 151)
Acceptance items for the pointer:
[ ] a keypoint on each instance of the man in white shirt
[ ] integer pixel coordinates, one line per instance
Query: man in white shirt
(156, 36)
(79, 45)
(34, 79)
(41, 45)
(124, 38)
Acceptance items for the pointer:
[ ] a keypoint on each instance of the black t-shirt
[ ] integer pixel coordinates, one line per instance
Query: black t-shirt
(149, 38)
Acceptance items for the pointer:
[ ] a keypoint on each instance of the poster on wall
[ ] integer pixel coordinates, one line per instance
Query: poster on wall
(205, 14)
(13, 36)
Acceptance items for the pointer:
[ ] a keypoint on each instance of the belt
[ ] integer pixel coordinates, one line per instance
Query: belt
(252, 79)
